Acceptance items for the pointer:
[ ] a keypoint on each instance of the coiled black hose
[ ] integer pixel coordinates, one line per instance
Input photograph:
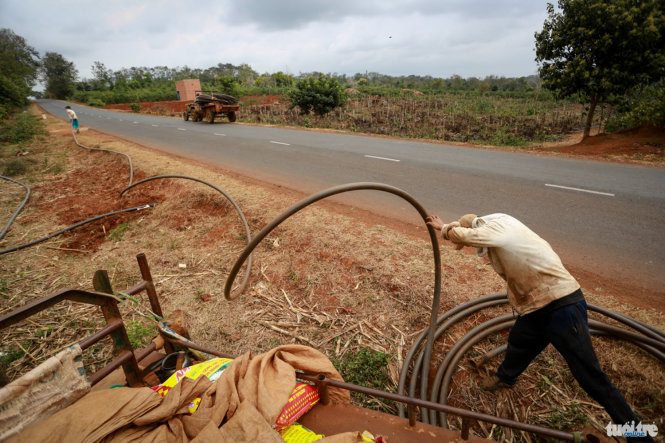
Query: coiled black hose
(651, 340)
(248, 233)
(20, 208)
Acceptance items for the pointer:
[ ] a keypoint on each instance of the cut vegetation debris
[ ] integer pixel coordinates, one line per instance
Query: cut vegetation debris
(360, 293)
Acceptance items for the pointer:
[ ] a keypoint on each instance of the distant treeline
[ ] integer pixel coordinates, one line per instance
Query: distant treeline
(158, 83)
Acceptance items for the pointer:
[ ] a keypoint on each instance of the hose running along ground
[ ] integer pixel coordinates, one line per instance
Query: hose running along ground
(129, 159)
(645, 336)
(20, 208)
(248, 233)
(69, 228)
(347, 188)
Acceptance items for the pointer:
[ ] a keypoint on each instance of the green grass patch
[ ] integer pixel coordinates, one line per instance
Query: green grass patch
(140, 334)
(117, 232)
(568, 419)
(368, 368)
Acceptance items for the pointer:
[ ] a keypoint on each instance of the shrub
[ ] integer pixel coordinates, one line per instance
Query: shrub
(14, 167)
(21, 129)
(643, 107)
(96, 102)
(135, 107)
(320, 94)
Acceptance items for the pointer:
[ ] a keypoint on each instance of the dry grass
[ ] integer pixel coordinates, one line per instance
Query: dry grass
(321, 278)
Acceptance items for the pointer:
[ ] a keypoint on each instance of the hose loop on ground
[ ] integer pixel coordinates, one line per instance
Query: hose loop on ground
(648, 338)
(348, 188)
(248, 233)
(129, 159)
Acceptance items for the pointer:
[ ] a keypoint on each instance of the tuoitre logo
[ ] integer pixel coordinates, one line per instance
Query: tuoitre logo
(631, 430)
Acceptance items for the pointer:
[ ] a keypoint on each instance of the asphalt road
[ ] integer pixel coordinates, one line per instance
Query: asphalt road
(606, 218)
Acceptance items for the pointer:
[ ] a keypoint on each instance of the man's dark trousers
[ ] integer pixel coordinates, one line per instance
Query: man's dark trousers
(567, 328)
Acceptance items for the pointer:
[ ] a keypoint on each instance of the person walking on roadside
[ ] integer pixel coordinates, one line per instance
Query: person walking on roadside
(73, 119)
(549, 302)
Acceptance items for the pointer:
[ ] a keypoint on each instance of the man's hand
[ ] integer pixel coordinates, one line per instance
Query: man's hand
(435, 222)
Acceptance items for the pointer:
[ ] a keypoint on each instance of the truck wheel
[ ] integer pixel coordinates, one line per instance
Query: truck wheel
(232, 116)
(210, 116)
(185, 115)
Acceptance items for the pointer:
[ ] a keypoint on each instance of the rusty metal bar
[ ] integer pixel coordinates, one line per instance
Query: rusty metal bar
(119, 336)
(412, 414)
(110, 327)
(122, 359)
(538, 430)
(143, 353)
(32, 308)
(322, 385)
(149, 285)
(466, 424)
(135, 289)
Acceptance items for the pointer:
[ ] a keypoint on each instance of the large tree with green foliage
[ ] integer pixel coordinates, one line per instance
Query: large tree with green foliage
(18, 71)
(320, 93)
(59, 76)
(596, 48)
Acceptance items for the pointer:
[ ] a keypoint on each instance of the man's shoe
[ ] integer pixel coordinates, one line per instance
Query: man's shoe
(492, 383)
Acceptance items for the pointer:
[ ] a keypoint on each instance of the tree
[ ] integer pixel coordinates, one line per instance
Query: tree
(282, 80)
(18, 70)
(227, 84)
(320, 94)
(596, 48)
(59, 76)
(103, 77)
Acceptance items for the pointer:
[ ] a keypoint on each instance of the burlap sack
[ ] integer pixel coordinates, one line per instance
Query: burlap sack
(51, 386)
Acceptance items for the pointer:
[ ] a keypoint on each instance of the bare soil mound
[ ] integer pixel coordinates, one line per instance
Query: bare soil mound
(639, 142)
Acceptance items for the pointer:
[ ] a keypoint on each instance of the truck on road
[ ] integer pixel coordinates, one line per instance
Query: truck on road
(208, 106)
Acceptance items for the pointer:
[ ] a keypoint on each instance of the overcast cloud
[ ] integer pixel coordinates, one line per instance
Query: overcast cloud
(428, 37)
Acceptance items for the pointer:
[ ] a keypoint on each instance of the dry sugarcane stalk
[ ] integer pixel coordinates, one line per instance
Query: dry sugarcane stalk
(290, 334)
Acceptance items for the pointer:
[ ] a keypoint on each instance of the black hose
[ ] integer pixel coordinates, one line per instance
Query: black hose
(444, 322)
(131, 168)
(651, 340)
(355, 187)
(414, 348)
(20, 208)
(228, 197)
(90, 220)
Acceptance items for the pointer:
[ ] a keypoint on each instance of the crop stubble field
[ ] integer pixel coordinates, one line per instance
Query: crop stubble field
(344, 286)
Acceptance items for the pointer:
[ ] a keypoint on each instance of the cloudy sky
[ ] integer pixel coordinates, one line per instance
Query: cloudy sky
(396, 37)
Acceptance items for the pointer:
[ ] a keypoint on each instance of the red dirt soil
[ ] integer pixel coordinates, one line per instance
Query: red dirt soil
(642, 141)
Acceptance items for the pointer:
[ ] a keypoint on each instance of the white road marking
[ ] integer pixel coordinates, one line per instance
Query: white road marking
(182, 129)
(280, 143)
(580, 190)
(156, 126)
(136, 123)
(224, 135)
(382, 158)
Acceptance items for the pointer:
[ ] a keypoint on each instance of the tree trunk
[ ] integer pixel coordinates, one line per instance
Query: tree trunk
(589, 117)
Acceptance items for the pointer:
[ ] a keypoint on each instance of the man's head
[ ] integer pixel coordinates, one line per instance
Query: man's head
(68, 107)
(466, 220)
